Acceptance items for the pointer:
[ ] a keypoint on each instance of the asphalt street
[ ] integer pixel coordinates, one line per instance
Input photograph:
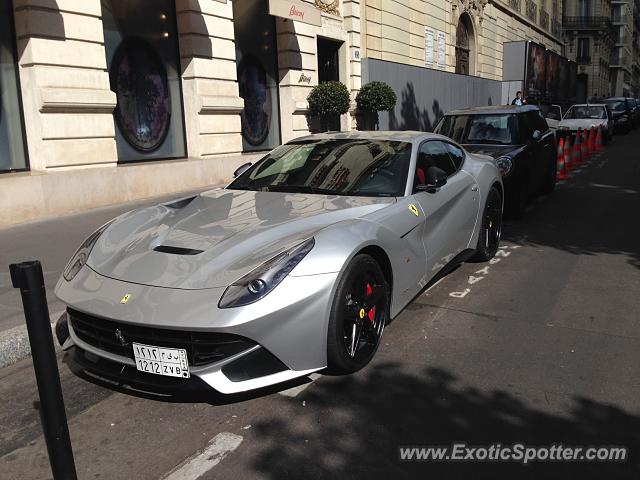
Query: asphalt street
(541, 346)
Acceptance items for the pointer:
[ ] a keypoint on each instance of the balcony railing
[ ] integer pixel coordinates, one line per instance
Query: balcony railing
(544, 19)
(588, 23)
(531, 10)
(516, 5)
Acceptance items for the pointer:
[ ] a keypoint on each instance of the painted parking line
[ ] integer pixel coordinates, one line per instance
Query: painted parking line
(199, 464)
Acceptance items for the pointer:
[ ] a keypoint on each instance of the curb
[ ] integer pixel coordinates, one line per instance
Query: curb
(14, 343)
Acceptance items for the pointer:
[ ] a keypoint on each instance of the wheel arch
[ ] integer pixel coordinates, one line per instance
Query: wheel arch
(380, 256)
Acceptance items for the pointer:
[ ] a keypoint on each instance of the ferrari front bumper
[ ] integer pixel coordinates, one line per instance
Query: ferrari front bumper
(285, 331)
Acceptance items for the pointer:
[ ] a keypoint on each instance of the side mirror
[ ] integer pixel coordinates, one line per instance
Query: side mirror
(241, 169)
(537, 135)
(436, 178)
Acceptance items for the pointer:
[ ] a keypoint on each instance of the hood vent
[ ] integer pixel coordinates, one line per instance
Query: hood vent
(176, 250)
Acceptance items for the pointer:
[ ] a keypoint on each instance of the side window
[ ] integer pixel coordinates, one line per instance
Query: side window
(432, 154)
(456, 154)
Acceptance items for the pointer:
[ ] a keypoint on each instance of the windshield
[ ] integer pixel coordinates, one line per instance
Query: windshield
(584, 112)
(494, 129)
(373, 168)
(617, 105)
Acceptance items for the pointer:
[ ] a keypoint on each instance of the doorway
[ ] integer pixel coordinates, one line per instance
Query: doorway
(464, 45)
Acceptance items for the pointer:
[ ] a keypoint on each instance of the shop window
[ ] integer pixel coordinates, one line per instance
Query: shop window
(12, 149)
(257, 68)
(141, 45)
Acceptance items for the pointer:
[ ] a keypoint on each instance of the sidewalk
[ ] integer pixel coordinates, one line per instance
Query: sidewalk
(51, 241)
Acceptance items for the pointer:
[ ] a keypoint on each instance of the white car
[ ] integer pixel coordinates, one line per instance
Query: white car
(585, 116)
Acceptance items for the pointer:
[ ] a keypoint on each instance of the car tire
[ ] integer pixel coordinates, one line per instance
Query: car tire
(491, 228)
(359, 313)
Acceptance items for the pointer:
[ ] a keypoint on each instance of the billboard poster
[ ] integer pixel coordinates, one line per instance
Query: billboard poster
(535, 83)
(552, 84)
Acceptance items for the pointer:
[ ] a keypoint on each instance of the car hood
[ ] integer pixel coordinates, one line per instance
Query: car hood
(213, 239)
(582, 123)
(494, 151)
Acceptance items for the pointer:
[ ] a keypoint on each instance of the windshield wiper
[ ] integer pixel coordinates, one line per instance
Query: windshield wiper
(485, 142)
(301, 189)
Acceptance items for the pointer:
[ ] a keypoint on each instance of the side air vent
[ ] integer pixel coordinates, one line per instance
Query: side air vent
(176, 250)
(178, 204)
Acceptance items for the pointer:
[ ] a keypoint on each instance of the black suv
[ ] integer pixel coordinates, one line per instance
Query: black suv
(519, 140)
(624, 113)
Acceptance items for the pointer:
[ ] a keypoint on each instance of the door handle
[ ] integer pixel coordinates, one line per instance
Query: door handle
(474, 188)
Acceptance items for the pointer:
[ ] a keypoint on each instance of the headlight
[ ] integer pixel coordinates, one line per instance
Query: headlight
(504, 164)
(623, 118)
(259, 282)
(82, 254)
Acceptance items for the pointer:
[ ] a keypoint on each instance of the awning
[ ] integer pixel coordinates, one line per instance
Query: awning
(296, 10)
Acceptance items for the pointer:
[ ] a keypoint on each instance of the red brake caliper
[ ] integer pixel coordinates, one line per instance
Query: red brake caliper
(372, 312)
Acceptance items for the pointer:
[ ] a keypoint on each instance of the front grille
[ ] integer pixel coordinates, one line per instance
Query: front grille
(202, 347)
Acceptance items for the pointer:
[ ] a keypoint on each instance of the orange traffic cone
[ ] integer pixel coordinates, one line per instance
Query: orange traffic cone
(598, 145)
(576, 159)
(584, 145)
(592, 140)
(567, 155)
(561, 174)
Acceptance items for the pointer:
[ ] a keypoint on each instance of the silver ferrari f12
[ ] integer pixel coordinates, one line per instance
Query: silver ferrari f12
(294, 267)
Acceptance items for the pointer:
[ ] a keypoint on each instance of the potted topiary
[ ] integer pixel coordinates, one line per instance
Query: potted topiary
(328, 101)
(372, 98)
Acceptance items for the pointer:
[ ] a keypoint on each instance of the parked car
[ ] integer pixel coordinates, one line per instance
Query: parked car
(552, 114)
(622, 113)
(635, 114)
(520, 141)
(295, 266)
(585, 116)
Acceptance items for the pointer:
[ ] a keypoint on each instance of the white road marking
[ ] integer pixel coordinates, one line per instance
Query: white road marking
(197, 465)
(295, 391)
(460, 294)
(473, 279)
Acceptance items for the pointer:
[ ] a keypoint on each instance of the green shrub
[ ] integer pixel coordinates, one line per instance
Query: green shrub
(329, 98)
(376, 97)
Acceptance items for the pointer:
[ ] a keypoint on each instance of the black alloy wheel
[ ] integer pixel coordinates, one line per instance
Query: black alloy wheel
(491, 231)
(359, 314)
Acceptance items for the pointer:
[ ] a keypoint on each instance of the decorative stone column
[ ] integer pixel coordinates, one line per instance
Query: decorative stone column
(212, 104)
(63, 73)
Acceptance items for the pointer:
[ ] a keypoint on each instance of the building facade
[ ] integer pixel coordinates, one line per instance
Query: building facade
(458, 36)
(590, 40)
(105, 101)
(602, 36)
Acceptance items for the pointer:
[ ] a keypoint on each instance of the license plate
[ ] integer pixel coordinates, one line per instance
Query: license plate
(170, 362)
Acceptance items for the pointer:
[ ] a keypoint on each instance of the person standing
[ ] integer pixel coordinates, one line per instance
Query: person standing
(519, 100)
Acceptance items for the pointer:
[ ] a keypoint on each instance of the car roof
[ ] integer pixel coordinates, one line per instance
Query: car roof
(494, 109)
(409, 136)
(589, 105)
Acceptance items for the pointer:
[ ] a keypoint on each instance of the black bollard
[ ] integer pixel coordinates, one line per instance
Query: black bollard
(27, 276)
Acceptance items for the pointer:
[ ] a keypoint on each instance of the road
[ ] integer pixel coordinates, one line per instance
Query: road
(542, 346)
